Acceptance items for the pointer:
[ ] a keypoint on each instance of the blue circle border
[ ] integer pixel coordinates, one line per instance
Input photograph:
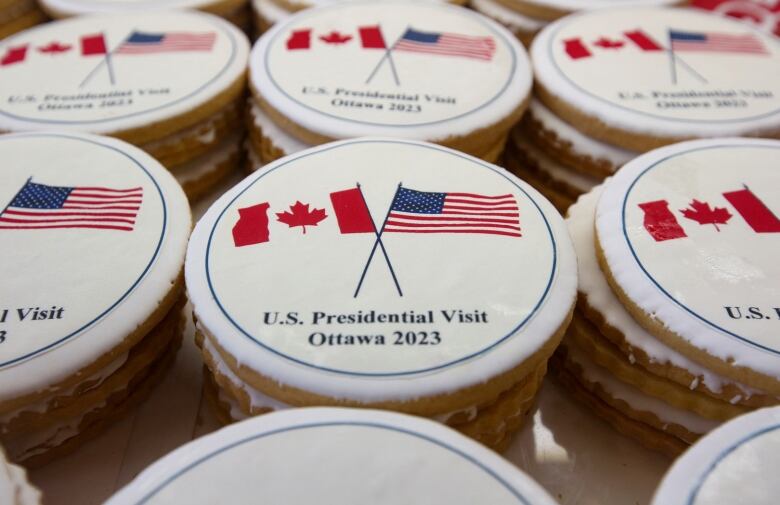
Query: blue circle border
(132, 287)
(219, 74)
(512, 332)
(383, 125)
(723, 454)
(443, 445)
(652, 279)
(647, 114)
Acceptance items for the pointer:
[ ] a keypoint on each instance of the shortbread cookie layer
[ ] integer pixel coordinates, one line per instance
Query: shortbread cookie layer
(569, 146)
(270, 141)
(392, 328)
(266, 14)
(120, 222)
(512, 161)
(341, 466)
(201, 175)
(601, 307)
(457, 79)
(733, 464)
(130, 75)
(675, 75)
(686, 238)
(22, 22)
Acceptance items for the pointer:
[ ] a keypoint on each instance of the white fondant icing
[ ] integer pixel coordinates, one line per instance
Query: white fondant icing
(351, 457)
(513, 20)
(734, 464)
(710, 93)
(162, 83)
(81, 7)
(325, 88)
(593, 285)
(687, 283)
(255, 163)
(106, 281)
(636, 399)
(581, 144)
(14, 487)
(317, 273)
(559, 173)
(269, 129)
(576, 5)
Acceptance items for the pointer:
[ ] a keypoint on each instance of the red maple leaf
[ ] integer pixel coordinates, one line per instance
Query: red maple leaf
(300, 215)
(335, 37)
(54, 48)
(608, 44)
(702, 213)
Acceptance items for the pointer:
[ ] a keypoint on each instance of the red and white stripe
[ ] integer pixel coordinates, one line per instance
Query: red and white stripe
(85, 207)
(171, 42)
(449, 44)
(722, 43)
(462, 213)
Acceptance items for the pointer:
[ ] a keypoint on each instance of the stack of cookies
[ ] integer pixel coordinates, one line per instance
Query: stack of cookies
(14, 488)
(237, 12)
(382, 273)
(172, 84)
(360, 68)
(93, 234)
(675, 325)
(18, 15)
(269, 12)
(609, 87)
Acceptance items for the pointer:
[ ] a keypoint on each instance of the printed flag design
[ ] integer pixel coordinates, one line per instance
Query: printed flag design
(14, 55)
(299, 39)
(662, 224)
(93, 44)
(147, 43)
(351, 212)
(38, 206)
(252, 225)
(715, 42)
(447, 44)
(423, 212)
(371, 37)
(578, 49)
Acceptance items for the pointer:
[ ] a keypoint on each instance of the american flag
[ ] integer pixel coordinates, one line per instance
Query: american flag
(716, 42)
(424, 212)
(38, 206)
(146, 43)
(447, 44)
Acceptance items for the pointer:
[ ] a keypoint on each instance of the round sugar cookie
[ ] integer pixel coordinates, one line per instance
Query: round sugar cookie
(524, 27)
(67, 8)
(601, 307)
(549, 10)
(687, 237)
(640, 78)
(382, 272)
(734, 464)
(130, 75)
(93, 234)
(333, 456)
(363, 68)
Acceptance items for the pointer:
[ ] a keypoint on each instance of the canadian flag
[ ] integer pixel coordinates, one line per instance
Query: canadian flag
(662, 224)
(579, 48)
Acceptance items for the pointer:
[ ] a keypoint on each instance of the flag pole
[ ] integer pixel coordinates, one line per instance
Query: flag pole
(105, 60)
(378, 242)
(387, 56)
(110, 65)
(672, 59)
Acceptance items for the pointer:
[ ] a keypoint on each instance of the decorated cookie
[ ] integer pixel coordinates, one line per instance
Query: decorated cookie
(763, 14)
(524, 27)
(553, 9)
(686, 237)
(733, 464)
(344, 456)
(635, 352)
(134, 76)
(359, 315)
(95, 232)
(348, 70)
(18, 15)
(676, 75)
(67, 8)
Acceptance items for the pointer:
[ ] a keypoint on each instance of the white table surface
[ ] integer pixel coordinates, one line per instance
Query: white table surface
(577, 457)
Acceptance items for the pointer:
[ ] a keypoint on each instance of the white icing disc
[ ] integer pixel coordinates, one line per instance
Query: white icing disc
(473, 274)
(690, 233)
(663, 72)
(600, 297)
(578, 5)
(735, 464)
(416, 70)
(14, 487)
(93, 233)
(506, 16)
(80, 7)
(340, 456)
(117, 72)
